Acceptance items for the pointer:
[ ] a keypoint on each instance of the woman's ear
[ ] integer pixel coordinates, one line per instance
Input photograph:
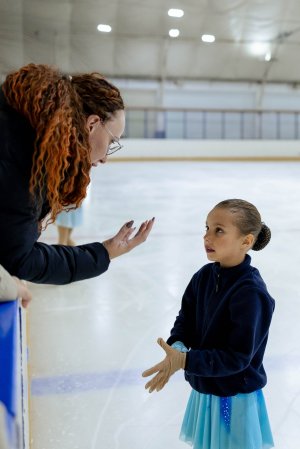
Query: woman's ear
(248, 241)
(92, 122)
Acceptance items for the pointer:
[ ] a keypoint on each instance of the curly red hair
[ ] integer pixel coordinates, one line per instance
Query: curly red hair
(57, 107)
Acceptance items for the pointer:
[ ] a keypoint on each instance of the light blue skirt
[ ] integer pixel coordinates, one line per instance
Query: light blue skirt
(235, 422)
(70, 219)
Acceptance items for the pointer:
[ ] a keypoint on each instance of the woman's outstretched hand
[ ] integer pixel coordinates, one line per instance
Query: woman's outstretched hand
(123, 242)
(173, 361)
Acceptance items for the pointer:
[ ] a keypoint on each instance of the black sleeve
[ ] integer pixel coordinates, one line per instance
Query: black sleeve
(20, 252)
(23, 256)
(58, 264)
(183, 328)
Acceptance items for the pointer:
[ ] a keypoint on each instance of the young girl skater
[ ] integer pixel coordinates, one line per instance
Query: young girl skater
(220, 335)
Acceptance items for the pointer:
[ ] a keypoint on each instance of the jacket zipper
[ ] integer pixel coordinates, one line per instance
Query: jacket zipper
(217, 284)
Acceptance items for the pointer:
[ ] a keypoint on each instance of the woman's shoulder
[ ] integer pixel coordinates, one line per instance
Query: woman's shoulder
(7, 113)
(16, 134)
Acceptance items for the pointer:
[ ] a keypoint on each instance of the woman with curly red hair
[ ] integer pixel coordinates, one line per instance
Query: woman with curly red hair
(53, 129)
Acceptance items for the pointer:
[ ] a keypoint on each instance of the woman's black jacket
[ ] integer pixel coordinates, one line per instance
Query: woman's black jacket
(20, 252)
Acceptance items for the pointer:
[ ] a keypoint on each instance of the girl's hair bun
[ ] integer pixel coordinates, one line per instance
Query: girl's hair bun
(263, 238)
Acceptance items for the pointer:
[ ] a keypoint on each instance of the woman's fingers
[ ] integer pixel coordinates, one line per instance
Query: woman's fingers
(145, 229)
(122, 242)
(124, 230)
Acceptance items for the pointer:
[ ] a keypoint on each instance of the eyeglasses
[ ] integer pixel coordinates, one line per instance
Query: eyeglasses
(114, 145)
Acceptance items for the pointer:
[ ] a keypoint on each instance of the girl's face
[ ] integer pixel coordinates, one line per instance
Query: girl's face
(223, 241)
(102, 135)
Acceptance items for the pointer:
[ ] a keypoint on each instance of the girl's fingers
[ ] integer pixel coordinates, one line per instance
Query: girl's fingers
(154, 383)
(154, 369)
(164, 345)
(157, 383)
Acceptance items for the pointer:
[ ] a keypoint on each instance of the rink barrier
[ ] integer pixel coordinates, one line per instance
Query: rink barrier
(143, 150)
(212, 123)
(14, 427)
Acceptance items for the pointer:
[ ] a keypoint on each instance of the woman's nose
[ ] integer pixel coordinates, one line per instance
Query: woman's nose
(103, 160)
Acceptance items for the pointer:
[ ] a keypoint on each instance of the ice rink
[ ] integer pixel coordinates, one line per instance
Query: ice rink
(90, 341)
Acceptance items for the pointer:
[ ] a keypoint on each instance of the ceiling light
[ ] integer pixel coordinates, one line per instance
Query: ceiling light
(259, 48)
(175, 12)
(174, 32)
(268, 56)
(104, 28)
(208, 38)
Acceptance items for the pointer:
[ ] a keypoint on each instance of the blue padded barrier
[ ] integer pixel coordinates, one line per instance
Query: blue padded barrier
(9, 322)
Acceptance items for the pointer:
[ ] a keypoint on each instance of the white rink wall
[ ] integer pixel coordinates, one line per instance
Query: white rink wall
(208, 149)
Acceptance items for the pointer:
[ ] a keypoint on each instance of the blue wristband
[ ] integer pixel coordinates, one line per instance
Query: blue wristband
(179, 346)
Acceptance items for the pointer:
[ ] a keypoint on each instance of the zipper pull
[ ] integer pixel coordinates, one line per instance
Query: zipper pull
(217, 285)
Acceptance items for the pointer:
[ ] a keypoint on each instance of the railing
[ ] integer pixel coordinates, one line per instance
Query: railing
(179, 123)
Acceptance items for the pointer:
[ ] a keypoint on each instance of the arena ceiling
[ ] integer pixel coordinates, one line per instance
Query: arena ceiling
(255, 40)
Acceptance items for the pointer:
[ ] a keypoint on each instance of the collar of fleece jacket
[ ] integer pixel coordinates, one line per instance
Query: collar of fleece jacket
(222, 275)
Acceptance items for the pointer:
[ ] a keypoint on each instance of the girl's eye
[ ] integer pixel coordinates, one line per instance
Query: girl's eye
(206, 228)
(219, 230)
